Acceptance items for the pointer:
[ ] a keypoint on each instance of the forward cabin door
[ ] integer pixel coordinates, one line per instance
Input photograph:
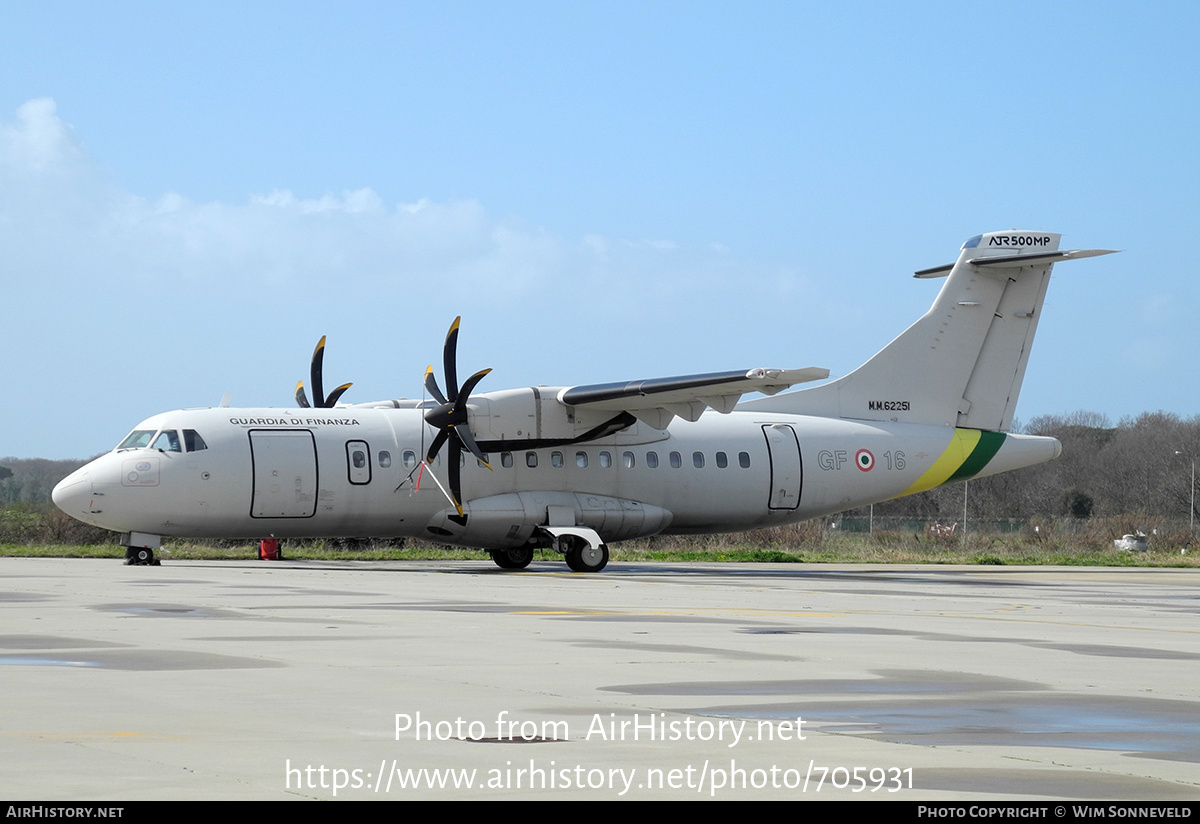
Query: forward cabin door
(786, 474)
(285, 473)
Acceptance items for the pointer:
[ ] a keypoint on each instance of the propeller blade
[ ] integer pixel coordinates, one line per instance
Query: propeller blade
(438, 440)
(450, 361)
(301, 398)
(318, 386)
(431, 386)
(454, 471)
(337, 393)
(465, 392)
(463, 433)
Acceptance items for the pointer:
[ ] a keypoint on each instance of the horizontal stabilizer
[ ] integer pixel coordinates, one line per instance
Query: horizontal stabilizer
(1018, 260)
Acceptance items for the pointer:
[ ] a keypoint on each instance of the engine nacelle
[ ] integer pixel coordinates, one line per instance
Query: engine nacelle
(530, 414)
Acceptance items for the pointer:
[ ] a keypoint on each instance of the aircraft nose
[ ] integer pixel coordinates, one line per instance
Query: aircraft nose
(73, 493)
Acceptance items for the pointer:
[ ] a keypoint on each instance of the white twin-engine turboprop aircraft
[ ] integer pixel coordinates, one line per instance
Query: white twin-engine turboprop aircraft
(577, 468)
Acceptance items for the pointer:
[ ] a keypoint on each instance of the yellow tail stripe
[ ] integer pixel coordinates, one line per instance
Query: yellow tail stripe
(960, 448)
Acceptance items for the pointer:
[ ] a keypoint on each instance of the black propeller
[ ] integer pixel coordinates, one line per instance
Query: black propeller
(449, 418)
(319, 399)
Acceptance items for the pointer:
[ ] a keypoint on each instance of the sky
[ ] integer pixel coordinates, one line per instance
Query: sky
(192, 194)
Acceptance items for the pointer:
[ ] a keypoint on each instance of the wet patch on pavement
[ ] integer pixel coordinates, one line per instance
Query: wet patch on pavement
(941, 709)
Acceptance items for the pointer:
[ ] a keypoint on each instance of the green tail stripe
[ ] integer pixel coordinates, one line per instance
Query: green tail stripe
(989, 444)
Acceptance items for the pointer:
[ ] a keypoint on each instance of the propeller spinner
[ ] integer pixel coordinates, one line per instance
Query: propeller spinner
(319, 399)
(449, 418)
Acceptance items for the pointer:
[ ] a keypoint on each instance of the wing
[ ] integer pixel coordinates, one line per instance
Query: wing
(656, 401)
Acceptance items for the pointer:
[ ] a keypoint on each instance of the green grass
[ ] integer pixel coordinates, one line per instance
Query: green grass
(801, 544)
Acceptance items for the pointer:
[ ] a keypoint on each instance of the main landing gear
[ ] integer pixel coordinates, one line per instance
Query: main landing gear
(581, 547)
(515, 558)
(582, 556)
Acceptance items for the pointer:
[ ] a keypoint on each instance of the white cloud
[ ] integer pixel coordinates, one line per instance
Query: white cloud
(39, 140)
(355, 202)
(657, 245)
(597, 245)
(62, 218)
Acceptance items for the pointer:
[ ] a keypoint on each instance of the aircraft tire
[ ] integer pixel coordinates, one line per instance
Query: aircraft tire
(515, 558)
(142, 556)
(581, 557)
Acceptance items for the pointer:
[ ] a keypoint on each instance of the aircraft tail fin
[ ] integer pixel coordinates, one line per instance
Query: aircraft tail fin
(963, 362)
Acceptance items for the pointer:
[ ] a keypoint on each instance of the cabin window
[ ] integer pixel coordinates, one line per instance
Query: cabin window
(676, 460)
(652, 460)
(744, 460)
(506, 460)
(410, 459)
(385, 459)
(167, 441)
(581, 460)
(605, 459)
(193, 441)
(531, 460)
(698, 460)
(627, 459)
(137, 439)
(462, 459)
(722, 460)
(556, 460)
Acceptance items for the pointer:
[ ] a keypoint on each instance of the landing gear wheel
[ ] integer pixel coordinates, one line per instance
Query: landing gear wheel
(583, 557)
(515, 558)
(139, 556)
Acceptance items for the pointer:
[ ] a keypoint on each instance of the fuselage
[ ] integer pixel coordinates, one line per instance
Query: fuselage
(358, 472)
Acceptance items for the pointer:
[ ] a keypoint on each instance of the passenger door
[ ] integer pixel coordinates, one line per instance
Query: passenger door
(285, 473)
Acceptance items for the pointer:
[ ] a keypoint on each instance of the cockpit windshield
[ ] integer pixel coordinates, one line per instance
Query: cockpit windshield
(137, 439)
(168, 440)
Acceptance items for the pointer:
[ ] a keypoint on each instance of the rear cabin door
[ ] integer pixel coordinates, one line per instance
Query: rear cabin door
(786, 474)
(285, 473)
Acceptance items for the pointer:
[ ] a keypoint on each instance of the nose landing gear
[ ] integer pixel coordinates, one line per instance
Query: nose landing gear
(140, 556)
(139, 548)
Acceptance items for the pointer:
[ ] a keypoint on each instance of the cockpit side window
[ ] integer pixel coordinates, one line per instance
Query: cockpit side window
(137, 439)
(193, 441)
(167, 441)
